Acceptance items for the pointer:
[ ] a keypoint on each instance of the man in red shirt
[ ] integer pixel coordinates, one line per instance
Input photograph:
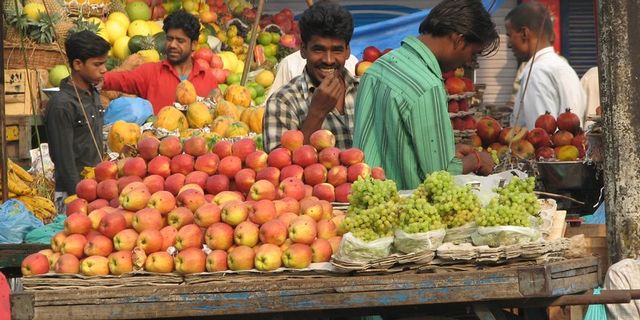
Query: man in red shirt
(157, 82)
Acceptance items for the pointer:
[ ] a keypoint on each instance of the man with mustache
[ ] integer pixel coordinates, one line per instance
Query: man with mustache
(157, 82)
(323, 96)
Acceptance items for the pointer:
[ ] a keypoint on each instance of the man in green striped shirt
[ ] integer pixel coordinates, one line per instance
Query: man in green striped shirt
(401, 120)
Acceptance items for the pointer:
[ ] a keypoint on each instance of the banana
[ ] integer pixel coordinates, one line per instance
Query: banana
(44, 203)
(70, 198)
(19, 187)
(20, 172)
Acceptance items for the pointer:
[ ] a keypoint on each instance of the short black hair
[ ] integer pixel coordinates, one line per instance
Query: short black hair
(84, 45)
(326, 18)
(534, 16)
(181, 19)
(467, 17)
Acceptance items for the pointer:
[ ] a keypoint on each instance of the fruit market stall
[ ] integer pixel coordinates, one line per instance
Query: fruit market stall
(288, 296)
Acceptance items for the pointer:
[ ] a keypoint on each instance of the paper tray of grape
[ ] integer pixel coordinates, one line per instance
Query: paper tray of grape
(468, 253)
(392, 263)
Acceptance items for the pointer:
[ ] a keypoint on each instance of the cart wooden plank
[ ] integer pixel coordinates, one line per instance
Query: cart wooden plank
(268, 295)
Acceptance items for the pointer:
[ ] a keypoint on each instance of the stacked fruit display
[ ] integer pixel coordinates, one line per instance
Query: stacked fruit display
(561, 139)
(250, 208)
(21, 187)
(460, 90)
(369, 55)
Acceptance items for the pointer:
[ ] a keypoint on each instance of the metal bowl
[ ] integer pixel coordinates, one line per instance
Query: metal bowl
(566, 175)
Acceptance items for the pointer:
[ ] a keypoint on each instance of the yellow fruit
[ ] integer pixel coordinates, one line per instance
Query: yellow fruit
(154, 27)
(227, 108)
(138, 27)
(229, 60)
(121, 134)
(186, 92)
(237, 129)
(238, 95)
(198, 115)
(255, 120)
(190, 5)
(150, 55)
(121, 48)
(265, 78)
(221, 124)
(33, 10)
(567, 153)
(170, 118)
(119, 17)
(202, 38)
(239, 67)
(115, 30)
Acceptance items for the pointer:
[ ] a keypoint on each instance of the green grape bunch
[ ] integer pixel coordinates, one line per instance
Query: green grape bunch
(416, 215)
(513, 206)
(372, 223)
(369, 192)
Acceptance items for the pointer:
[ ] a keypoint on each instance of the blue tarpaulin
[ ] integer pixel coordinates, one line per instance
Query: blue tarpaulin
(389, 33)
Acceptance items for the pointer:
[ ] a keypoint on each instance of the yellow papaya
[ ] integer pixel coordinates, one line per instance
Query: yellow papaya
(255, 120)
(186, 92)
(220, 125)
(237, 129)
(226, 108)
(170, 118)
(121, 134)
(238, 95)
(198, 115)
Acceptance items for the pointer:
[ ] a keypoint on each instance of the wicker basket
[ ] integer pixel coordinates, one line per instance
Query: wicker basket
(38, 57)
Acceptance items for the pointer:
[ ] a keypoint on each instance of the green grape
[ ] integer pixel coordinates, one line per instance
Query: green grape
(514, 205)
(417, 215)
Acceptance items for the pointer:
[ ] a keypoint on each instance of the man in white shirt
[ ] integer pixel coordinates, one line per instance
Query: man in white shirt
(292, 65)
(553, 85)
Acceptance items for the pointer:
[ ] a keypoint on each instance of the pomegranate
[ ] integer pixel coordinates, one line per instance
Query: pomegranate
(568, 121)
(546, 122)
(562, 138)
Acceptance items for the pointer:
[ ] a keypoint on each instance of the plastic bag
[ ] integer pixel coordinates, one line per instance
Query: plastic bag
(548, 208)
(16, 221)
(461, 234)
(354, 249)
(134, 110)
(596, 311)
(46, 232)
(504, 236)
(416, 242)
(483, 186)
(39, 162)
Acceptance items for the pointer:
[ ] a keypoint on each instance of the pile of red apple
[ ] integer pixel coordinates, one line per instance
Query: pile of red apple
(457, 85)
(369, 55)
(561, 138)
(251, 209)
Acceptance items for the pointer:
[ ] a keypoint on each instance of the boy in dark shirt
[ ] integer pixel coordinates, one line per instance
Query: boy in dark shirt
(73, 119)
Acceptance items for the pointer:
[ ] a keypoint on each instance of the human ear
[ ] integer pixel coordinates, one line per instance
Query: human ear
(76, 64)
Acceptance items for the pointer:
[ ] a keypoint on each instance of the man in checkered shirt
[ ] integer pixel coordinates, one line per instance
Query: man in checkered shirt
(323, 96)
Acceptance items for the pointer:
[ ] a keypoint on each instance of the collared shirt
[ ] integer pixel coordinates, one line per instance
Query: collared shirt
(402, 122)
(288, 108)
(292, 66)
(157, 82)
(71, 146)
(553, 86)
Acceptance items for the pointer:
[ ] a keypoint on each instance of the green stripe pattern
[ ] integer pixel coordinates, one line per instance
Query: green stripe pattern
(401, 120)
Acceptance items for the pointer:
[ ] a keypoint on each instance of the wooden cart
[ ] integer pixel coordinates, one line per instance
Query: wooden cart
(484, 291)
